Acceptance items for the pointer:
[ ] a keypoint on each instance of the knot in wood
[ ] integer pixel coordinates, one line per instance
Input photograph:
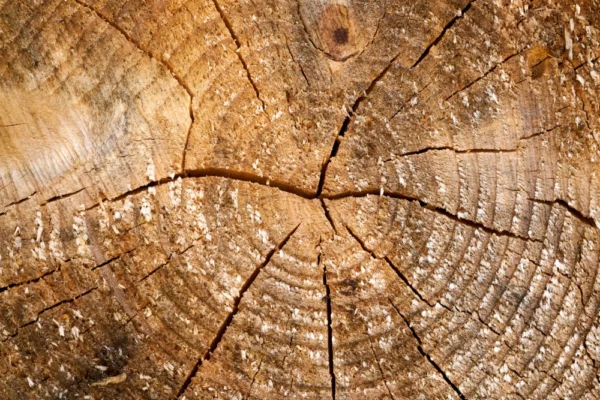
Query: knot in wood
(337, 32)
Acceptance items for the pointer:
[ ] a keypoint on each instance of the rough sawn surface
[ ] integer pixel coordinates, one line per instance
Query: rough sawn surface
(260, 199)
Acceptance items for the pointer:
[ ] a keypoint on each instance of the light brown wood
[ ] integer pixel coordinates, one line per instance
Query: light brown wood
(258, 199)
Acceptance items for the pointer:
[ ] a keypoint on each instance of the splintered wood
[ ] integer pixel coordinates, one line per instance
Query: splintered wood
(260, 199)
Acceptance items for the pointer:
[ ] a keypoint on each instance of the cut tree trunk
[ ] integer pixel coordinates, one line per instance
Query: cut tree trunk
(265, 199)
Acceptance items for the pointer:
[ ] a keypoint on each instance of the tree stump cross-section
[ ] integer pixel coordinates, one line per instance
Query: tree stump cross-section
(337, 199)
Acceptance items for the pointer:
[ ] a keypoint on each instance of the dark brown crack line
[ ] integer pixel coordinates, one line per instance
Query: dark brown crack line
(14, 203)
(48, 309)
(239, 52)
(34, 280)
(439, 210)
(247, 396)
(136, 44)
(296, 61)
(412, 288)
(482, 76)
(246, 177)
(443, 33)
(60, 303)
(426, 355)
(188, 134)
(223, 328)
(111, 260)
(541, 61)
(575, 212)
(379, 366)
(407, 282)
(155, 270)
(11, 125)
(536, 134)
(301, 18)
(457, 151)
(63, 196)
(588, 63)
(390, 264)
(329, 327)
(346, 123)
(179, 80)
(216, 173)
(328, 215)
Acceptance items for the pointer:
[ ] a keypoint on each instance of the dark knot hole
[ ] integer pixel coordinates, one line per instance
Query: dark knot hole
(340, 35)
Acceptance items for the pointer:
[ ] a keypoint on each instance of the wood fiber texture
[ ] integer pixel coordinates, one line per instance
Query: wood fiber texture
(306, 199)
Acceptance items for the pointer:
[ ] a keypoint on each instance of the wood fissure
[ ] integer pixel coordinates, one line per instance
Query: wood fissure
(329, 328)
(62, 196)
(328, 215)
(457, 151)
(572, 210)
(379, 367)
(235, 308)
(166, 65)
(247, 396)
(30, 281)
(443, 33)
(489, 71)
(390, 264)
(438, 210)
(238, 52)
(427, 356)
(49, 308)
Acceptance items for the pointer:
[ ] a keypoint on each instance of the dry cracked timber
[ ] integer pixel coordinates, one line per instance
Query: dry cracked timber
(293, 199)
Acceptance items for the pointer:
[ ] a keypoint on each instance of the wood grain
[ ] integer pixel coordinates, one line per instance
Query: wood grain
(259, 199)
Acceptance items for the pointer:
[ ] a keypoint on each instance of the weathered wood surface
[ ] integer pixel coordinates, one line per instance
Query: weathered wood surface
(265, 199)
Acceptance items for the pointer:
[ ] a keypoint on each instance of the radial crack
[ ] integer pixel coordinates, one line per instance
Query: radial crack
(426, 355)
(329, 327)
(30, 281)
(328, 215)
(17, 202)
(439, 210)
(113, 259)
(239, 52)
(457, 151)
(136, 44)
(63, 196)
(482, 76)
(379, 366)
(229, 319)
(390, 264)
(574, 211)
(11, 125)
(346, 122)
(443, 33)
(215, 173)
(536, 134)
(247, 396)
(48, 309)
(155, 270)
(296, 61)
(179, 80)
(411, 287)
(188, 134)
(301, 17)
